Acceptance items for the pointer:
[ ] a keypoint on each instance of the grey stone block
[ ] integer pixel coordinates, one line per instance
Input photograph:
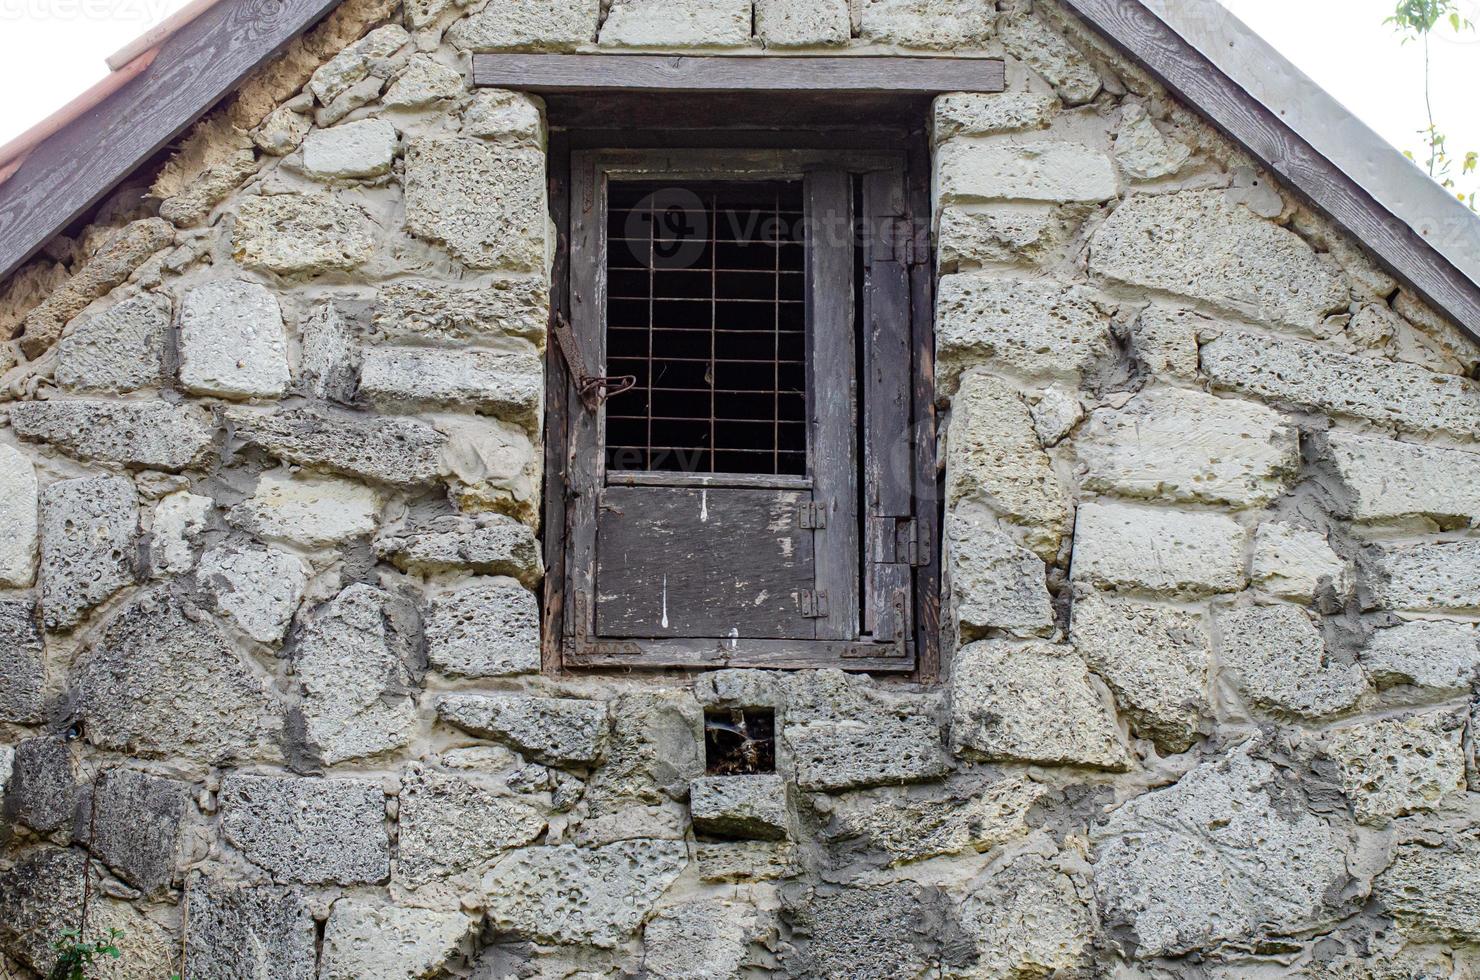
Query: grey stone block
(699, 939)
(431, 312)
(19, 503)
(1394, 767)
(232, 342)
(508, 384)
(1396, 481)
(489, 544)
(1434, 891)
(453, 824)
(246, 930)
(399, 452)
(327, 368)
(944, 25)
(1428, 577)
(365, 148)
(354, 63)
(164, 680)
(677, 24)
(1143, 549)
(753, 806)
(363, 941)
(118, 350)
(139, 435)
(488, 628)
(537, 25)
(1276, 657)
(258, 589)
(310, 831)
(802, 23)
(89, 528)
(873, 750)
(553, 731)
(133, 821)
(22, 664)
(995, 583)
(42, 791)
(483, 201)
(1439, 657)
(293, 234)
(311, 512)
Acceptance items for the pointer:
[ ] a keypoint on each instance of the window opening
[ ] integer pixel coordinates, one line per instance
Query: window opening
(706, 308)
(739, 741)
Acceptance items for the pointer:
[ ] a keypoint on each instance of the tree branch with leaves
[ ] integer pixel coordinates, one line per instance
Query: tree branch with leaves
(1416, 20)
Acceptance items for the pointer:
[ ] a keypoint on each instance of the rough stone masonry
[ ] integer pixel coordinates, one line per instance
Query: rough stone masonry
(269, 647)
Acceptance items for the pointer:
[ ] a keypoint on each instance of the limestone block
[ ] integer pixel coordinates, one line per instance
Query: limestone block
(7, 763)
(240, 930)
(22, 664)
(1394, 481)
(553, 731)
(1276, 658)
(593, 896)
(883, 749)
(863, 930)
(364, 941)
(1026, 326)
(353, 64)
(489, 544)
(981, 114)
(1165, 341)
(1143, 151)
(1197, 244)
(733, 862)
(753, 806)
(1055, 415)
(1434, 891)
(1428, 577)
(313, 512)
(396, 451)
(677, 24)
(144, 435)
(118, 350)
(42, 790)
(528, 25)
(1397, 766)
(327, 365)
(231, 340)
(1169, 444)
(489, 628)
(1004, 232)
(135, 825)
(1140, 549)
(1001, 692)
(312, 831)
(484, 201)
(802, 23)
(509, 384)
(356, 662)
(452, 824)
(365, 148)
(1297, 564)
(423, 83)
(510, 117)
(493, 466)
(258, 589)
(1155, 659)
(20, 501)
(302, 233)
(88, 532)
(42, 895)
(945, 25)
(993, 457)
(165, 681)
(282, 132)
(1029, 918)
(1045, 50)
(179, 520)
(1059, 172)
(1231, 853)
(358, 95)
(1400, 395)
(428, 312)
(916, 823)
(699, 939)
(1439, 657)
(994, 583)
(653, 751)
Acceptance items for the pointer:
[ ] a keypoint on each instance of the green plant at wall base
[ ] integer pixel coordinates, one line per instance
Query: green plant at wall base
(75, 957)
(1416, 20)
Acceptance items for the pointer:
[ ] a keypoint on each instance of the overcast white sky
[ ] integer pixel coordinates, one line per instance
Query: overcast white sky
(50, 50)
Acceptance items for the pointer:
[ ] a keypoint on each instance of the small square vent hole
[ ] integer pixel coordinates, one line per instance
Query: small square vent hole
(739, 741)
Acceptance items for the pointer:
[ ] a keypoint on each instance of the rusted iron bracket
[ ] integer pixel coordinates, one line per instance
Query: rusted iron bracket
(900, 646)
(582, 644)
(814, 604)
(593, 389)
(811, 516)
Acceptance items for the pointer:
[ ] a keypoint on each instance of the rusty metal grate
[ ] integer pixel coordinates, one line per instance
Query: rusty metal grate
(706, 308)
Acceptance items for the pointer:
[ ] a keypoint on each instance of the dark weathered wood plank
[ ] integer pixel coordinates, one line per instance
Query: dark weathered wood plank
(560, 395)
(194, 69)
(674, 562)
(613, 118)
(831, 398)
(928, 490)
(1186, 72)
(681, 73)
(763, 654)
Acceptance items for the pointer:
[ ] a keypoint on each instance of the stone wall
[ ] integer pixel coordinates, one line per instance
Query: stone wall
(270, 642)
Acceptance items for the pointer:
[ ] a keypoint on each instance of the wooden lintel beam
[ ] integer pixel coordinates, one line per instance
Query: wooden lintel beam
(681, 73)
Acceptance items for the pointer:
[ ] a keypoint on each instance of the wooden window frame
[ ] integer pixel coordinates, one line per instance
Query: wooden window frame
(567, 644)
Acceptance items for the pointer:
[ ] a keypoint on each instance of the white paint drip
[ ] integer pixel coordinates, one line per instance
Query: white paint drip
(734, 637)
(665, 602)
(703, 506)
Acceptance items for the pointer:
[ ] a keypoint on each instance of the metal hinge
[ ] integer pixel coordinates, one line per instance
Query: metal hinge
(814, 604)
(912, 542)
(911, 241)
(812, 516)
(592, 389)
(581, 643)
